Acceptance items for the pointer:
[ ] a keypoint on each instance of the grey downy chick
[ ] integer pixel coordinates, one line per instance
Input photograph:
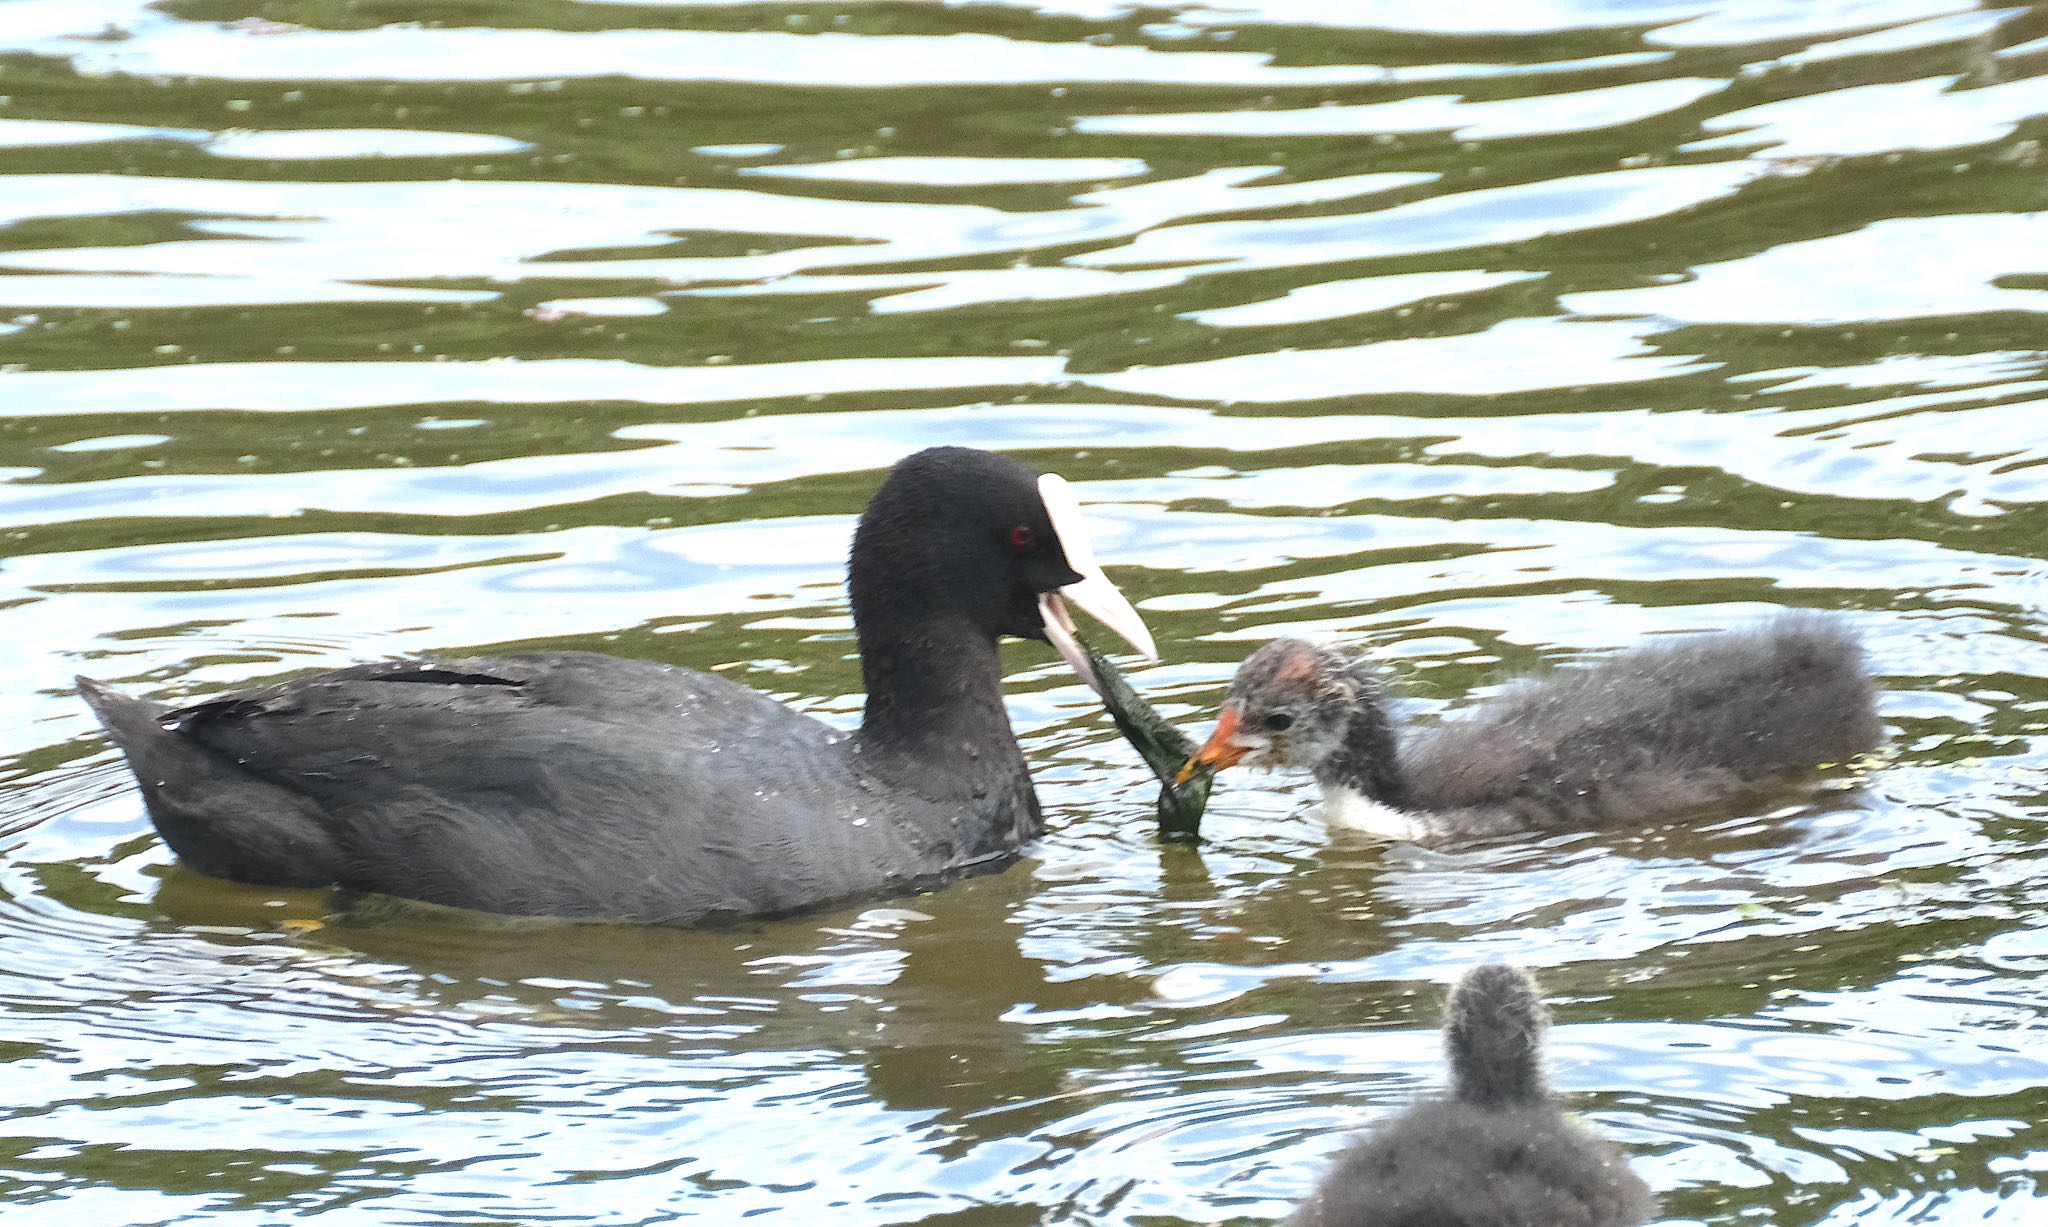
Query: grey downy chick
(1662, 731)
(1496, 1151)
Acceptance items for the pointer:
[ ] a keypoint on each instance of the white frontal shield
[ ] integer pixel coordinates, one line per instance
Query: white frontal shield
(1093, 593)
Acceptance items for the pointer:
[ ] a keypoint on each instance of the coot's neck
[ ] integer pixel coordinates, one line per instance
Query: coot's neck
(1367, 764)
(936, 728)
(934, 689)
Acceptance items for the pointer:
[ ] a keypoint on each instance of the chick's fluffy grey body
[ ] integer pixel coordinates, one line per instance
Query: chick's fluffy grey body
(1661, 731)
(1496, 1152)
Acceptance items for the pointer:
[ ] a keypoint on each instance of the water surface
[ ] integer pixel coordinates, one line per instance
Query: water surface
(1489, 335)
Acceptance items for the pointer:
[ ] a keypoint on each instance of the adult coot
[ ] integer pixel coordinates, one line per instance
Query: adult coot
(576, 784)
(1658, 732)
(1496, 1152)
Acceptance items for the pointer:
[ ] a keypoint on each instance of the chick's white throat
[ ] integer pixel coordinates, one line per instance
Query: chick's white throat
(1347, 809)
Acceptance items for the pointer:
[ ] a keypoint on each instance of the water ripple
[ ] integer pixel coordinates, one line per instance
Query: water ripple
(1485, 336)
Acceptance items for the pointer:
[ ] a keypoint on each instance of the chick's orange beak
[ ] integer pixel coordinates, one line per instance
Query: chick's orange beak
(1221, 750)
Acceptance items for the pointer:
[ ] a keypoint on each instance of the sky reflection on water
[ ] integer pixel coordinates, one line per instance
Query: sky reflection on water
(1488, 334)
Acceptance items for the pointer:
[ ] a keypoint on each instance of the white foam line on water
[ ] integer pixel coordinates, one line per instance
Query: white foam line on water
(511, 231)
(436, 53)
(1933, 32)
(1870, 119)
(899, 293)
(1536, 115)
(1479, 218)
(282, 144)
(292, 387)
(957, 171)
(1724, 25)
(1516, 355)
(1330, 300)
(1845, 450)
(1895, 269)
(1685, 22)
(44, 133)
(150, 291)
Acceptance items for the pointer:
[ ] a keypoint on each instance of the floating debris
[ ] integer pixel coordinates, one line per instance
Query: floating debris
(1165, 749)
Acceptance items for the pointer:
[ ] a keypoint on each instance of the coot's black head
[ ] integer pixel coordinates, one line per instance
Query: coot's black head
(959, 533)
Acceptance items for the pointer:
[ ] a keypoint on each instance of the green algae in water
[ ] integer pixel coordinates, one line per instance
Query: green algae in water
(1164, 748)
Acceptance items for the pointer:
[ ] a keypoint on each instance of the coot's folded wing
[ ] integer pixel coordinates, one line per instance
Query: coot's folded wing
(559, 783)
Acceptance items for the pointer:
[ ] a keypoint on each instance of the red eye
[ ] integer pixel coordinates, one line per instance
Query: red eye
(1021, 537)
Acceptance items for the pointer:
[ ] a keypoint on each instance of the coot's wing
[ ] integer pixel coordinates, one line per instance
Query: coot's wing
(556, 784)
(519, 723)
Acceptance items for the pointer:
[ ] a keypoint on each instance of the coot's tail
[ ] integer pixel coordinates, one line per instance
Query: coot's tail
(1493, 1032)
(215, 814)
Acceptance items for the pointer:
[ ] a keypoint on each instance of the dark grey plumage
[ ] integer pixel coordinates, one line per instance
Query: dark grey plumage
(581, 785)
(1496, 1152)
(1493, 1036)
(1664, 730)
(556, 784)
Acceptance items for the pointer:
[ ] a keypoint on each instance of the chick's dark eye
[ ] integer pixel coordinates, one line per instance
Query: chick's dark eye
(1021, 537)
(1279, 722)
